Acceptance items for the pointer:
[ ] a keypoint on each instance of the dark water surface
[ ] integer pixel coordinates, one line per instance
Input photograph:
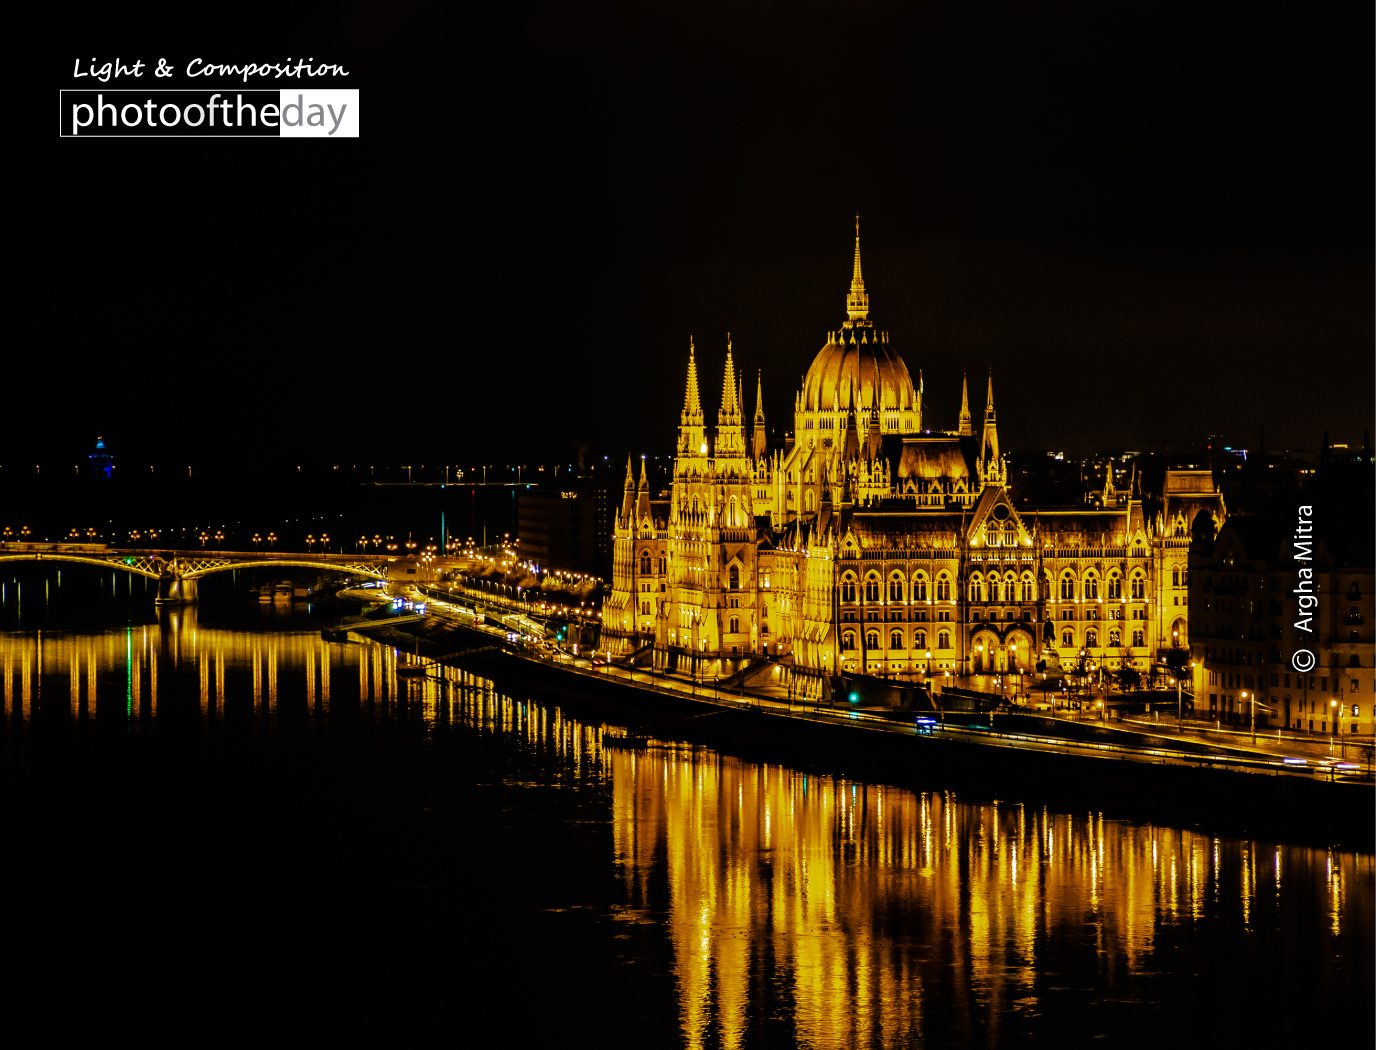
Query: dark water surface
(221, 825)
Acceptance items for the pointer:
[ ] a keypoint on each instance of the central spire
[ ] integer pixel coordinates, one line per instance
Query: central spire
(857, 302)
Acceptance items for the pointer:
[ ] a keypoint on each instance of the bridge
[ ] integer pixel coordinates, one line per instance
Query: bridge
(178, 570)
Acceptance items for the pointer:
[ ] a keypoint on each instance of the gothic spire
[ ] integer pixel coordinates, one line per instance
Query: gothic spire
(857, 302)
(965, 429)
(729, 401)
(758, 438)
(692, 404)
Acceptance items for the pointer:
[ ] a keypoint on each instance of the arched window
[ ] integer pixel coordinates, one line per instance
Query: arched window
(764, 628)
(1029, 591)
(920, 588)
(1068, 638)
(735, 577)
(1010, 535)
(976, 588)
(943, 640)
(871, 640)
(1115, 640)
(1115, 586)
(920, 642)
(1067, 587)
(943, 589)
(1137, 639)
(895, 588)
(644, 563)
(1354, 593)
(872, 588)
(848, 641)
(1091, 588)
(848, 588)
(809, 503)
(731, 518)
(1139, 586)
(663, 564)
(735, 626)
(896, 640)
(991, 534)
(1092, 638)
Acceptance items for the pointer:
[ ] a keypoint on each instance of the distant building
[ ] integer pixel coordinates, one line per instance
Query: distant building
(1249, 635)
(557, 528)
(869, 544)
(100, 461)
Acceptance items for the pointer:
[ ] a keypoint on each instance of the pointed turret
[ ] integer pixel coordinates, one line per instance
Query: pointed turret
(966, 430)
(729, 402)
(872, 439)
(628, 495)
(858, 301)
(690, 429)
(642, 494)
(989, 445)
(851, 449)
(758, 437)
(730, 425)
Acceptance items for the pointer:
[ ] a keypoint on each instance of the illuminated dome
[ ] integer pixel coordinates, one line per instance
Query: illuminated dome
(843, 366)
(857, 362)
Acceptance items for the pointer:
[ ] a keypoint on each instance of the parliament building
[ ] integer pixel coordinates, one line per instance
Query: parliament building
(873, 545)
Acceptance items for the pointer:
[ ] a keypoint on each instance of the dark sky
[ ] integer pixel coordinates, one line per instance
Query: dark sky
(1151, 222)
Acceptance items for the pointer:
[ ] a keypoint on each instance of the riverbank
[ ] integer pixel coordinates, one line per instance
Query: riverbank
(1228, 790)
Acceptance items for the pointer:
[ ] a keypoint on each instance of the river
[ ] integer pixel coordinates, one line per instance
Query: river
(220, 821)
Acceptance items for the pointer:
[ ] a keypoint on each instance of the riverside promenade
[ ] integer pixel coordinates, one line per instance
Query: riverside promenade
(1139, 741)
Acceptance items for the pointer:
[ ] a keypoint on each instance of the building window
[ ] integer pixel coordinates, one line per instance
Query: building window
(976, 590)
(872, 588)
(735, 626)
(1115, 640)
(644, 563)
(943, 588)
(1139, 587)
(896, 589)
(1067, 638)
(920, 589)
(896, 640)
(848, 588)
(871, 640)
(1091, 588)
(848, 641)
(663, 564)
(1092, 638)
(920, 642)
(1137, 639)
(1115, 586)
(943, 640)
(1067, 588)
(735, 578)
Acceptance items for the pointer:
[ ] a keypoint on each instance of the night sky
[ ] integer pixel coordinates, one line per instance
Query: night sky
(1153, 223)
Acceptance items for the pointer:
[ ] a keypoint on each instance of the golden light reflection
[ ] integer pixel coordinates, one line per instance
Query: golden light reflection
(873, 910)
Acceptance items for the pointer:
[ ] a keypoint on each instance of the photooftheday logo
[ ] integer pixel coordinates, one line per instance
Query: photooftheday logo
(153, 113)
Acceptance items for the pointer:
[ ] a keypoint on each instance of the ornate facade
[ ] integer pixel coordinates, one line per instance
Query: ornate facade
(871, 545)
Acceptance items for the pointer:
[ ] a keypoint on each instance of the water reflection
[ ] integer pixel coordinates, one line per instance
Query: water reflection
(808, 910)
(883, 917)
(127, 672)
